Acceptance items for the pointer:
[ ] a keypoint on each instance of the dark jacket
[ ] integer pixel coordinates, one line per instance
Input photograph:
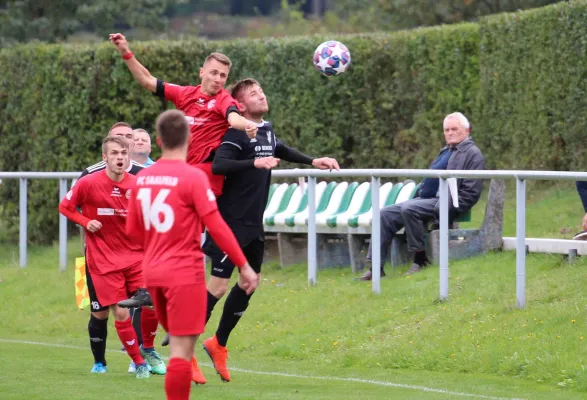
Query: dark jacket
(466, 156)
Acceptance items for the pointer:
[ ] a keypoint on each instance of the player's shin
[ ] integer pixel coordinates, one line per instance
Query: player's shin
(149, 323)
(128, 336)
(211, 303)
(234, 308)
(98, 331)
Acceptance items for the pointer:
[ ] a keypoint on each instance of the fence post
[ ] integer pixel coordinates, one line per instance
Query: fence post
(23, 215)
(443, 188)
(62, 229)
(375, 237)
(520, 243)
(312, 258)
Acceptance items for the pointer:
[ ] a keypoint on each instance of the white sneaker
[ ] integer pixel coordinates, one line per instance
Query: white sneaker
(132, 369)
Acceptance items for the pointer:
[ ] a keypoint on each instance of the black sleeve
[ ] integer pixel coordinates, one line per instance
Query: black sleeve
(84, 173)
(160, 89)
(226, 158)
(232, 109)
(582, 190)
(287, 153)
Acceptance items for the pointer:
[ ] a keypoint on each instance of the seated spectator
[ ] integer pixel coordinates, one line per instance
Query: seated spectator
(460, 153)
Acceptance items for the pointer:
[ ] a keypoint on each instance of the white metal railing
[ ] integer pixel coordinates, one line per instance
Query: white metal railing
(375, 175)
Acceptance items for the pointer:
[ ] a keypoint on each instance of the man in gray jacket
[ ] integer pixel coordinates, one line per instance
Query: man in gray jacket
(460, 153)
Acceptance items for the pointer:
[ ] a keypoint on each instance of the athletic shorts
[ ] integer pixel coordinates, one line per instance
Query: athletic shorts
(216, 181)
(181, 309)
(252, 244)
(94, 302)
(108, 289)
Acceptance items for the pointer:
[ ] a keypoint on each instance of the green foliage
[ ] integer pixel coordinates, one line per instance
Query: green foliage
(532, 100)
(519, 77)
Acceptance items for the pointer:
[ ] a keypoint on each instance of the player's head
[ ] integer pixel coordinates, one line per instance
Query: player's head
(249, 94)
(456, 128)
(115, 152)
(214, 73)
(172, 131)
(142, 143)
(121, 129)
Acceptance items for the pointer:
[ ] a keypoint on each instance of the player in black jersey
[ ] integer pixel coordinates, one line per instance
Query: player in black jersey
(246, 164)
(97, 326)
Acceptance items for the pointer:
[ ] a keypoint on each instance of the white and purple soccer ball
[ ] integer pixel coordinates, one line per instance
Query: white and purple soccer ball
(332, 58)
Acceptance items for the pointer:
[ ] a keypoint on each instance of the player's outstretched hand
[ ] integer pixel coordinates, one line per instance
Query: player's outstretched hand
(251, 130)
(266, 162)
(249, 279)
(325, 163)
(118, 40)
(94, 226)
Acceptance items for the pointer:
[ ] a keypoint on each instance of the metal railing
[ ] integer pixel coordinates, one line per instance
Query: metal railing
(375, 175)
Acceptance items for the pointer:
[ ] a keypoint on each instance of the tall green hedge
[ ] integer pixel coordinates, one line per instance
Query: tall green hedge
(519, 77)
(533, 94)
(58, 102)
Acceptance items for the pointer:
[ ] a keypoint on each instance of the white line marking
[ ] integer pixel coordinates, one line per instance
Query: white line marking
(287, 375)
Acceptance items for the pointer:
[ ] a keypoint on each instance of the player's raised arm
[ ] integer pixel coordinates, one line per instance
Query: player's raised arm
(292, 155)
(140, 73)
(240, 123)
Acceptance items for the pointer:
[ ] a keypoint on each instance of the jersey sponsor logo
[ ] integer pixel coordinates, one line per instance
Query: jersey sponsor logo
(115, 192)
(105, 211)
(131, 342)
(190, 120)
(218, 269)
(254, 140)
(200, 102)
(211, 196)
(68, 195)
(127, 194)
(269, 136)
(211, 104)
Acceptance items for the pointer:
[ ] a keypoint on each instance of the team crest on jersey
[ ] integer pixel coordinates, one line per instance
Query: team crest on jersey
(211, 104)
(127, 194)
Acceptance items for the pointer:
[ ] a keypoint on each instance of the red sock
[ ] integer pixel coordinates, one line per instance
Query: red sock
(149, 324)
(178, 379)
(128, 337)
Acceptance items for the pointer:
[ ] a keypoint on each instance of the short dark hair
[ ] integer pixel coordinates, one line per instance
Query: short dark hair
(120, 123)
(221, 58)
(238, 88)
(114, 139)
(173, 129)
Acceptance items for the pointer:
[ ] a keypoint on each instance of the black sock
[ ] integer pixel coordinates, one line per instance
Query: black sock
(234, 308)
(420, 258)
(98, 330)
(136, 323)
(210, 305)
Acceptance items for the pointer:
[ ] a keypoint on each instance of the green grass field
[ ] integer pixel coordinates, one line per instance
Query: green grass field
(336, 340)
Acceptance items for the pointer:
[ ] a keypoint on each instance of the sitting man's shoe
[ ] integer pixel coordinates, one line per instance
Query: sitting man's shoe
(367, 276)
(139, 299)
(415, 268)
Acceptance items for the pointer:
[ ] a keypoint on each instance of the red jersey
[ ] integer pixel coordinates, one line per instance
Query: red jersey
(165, 215)
(206, 115)
(100, 198)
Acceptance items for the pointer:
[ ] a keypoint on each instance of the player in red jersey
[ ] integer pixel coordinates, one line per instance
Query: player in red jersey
(209, 109)
(171, 203)
(113, 260)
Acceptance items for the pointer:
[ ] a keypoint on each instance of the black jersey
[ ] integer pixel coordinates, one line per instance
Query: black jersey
(246, 188)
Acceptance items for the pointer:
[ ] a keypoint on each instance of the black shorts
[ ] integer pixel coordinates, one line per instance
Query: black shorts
(252, 243)
(95, 305)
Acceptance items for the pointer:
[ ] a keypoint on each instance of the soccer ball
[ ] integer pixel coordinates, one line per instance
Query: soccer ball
(332, 58)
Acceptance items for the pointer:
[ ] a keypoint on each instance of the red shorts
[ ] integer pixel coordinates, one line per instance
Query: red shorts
(216, 181)
(181, 309)
(119, 285)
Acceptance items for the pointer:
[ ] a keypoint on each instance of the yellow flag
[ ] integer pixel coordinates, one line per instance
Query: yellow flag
(82, 297)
